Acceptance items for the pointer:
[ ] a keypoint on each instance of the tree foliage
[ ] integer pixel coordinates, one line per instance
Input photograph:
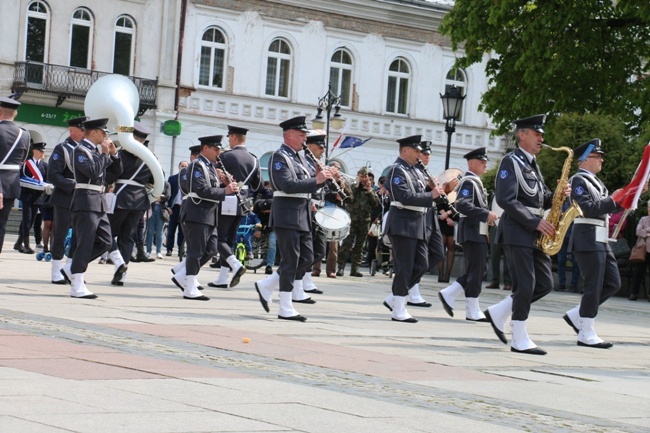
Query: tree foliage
(557, 56)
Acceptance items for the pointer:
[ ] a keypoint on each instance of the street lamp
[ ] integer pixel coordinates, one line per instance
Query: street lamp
(326, 103)
(452, 101)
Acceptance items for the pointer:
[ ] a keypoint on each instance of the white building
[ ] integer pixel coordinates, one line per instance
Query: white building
(255, 63)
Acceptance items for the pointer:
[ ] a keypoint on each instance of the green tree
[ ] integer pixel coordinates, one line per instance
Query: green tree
(556, 56)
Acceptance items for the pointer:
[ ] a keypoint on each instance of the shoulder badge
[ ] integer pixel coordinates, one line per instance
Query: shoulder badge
(277, 165)
(464, 192)
(198, 174)
(82, 158)
(503, 174)
(55, 156)
(397, 180)
(579, 190)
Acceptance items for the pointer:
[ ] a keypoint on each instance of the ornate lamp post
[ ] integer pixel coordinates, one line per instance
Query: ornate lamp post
(326, 103)
(452, 101)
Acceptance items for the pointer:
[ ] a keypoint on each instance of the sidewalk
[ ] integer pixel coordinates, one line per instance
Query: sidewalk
(141, 359)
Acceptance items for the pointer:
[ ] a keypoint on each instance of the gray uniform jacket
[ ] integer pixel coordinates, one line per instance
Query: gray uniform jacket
(520, 186)
(200, 179)
(592, 197)
(131, 197)
(59, 173)
(10, 176)
(243, 166)
(472, 203)
(289, 175)
(90, 168)
(408, 188)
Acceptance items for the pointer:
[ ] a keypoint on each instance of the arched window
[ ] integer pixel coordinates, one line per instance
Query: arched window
(341, 76)
(81, 35)
(278, 69)
(212, 67)
(264, 165)
(457, 77)
(399, 75)
(123, 45)
(38, 27)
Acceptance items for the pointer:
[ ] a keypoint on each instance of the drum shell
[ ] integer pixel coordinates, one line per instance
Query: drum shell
(334, 223)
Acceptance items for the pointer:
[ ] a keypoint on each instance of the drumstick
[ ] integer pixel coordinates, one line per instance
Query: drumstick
(328, 215)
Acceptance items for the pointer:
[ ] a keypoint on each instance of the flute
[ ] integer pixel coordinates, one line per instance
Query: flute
(443, 200)
(243, 205)
(330, 183)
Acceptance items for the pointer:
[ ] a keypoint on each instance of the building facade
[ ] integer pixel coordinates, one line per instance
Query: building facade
(255, 63)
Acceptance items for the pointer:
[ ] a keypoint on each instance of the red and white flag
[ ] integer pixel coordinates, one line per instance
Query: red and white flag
(628, 196)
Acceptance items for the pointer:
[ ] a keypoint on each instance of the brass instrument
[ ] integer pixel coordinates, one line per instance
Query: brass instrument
(330, 183)
(551, 245)
(442, 200)
(244, 204)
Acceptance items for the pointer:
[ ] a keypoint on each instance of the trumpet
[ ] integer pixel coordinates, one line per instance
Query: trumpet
(331, 184)
(352, 180)
(443, 200)
(244, 204)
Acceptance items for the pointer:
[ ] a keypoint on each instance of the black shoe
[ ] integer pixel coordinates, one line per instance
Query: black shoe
(419, 304)
(445, 305)
(482, 319)
(265, 304)
(356, 274)
(91, 296)
(388, 306)
(63, 281)
(305, 301)
(18, 247)
(560, 288)
(603, 345)
(532, 351)
(218, 286)
(175, 281)
(570, 323)
(27, 250)
(297, 318)
(409, 320)
(169, 254)
(268, 270)
(314, 291)
(117, 276)
(198, 298)
(496, 330)
(142, 258)
(339, 273)
(235, 278)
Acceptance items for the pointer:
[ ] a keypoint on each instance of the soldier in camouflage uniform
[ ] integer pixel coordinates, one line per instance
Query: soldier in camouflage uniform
(359, 206)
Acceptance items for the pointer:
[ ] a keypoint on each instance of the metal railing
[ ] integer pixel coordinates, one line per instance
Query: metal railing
(72, 82)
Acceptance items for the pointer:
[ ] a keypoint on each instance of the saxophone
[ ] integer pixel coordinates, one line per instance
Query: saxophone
(551, 245)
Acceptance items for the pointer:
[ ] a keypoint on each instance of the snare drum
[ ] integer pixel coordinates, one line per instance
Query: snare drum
(334, 221)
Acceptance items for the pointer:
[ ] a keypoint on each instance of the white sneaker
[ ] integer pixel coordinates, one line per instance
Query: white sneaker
(159, 256)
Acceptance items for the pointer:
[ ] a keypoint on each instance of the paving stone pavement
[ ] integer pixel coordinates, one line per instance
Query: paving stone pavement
(141, 359)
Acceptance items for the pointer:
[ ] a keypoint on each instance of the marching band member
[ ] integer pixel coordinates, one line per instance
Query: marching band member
(60, 174)
(406, 225)
(130, 202)
(244, 167)
(14, 147)
(588, 243)
(199, 215)
(92, 157)
(472, 203)
(291, 216)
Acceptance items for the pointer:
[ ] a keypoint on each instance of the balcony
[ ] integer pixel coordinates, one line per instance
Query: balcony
(71, 82)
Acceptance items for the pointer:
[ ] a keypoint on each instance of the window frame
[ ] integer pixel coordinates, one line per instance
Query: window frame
(341, 68)
(38, 15)
(213, 46)
(125, 30)
(85, 23)
(461, 84)
(399, 78)
(280, 59)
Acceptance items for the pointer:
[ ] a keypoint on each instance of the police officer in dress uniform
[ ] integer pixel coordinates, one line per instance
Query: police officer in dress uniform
(199, 215)
(521, 192)
(243, 167)
(131, 201)
(93, 157)
(588, 243)
(60, 174)
(290, 218)
(14, 147)
(472, 203)
(406, 224)
(34, 168)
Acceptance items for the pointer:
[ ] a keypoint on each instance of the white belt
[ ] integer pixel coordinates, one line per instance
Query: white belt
(89, 186)
(130, 182)
(195, 195)
(10, 167)
(591, 221)
(536, 211)
(295, 195)
(399, 205)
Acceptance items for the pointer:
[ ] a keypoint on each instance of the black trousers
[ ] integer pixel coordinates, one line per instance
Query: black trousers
(434, 246)
(410, 263)
(296, 255)
(29, 215)
(601, 281)
(4, 217)
(124, 226)
(93, 238)
(174, 228)
(227, 226)
(62, 223)
(201, 241)
(319, 247)
(532, 279)
(475, 254)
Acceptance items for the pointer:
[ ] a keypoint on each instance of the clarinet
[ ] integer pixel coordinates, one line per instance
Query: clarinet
(443, 200)
(243, 205)
(330, 183)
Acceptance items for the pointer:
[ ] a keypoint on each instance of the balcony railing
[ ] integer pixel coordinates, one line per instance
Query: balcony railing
(71, 82)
